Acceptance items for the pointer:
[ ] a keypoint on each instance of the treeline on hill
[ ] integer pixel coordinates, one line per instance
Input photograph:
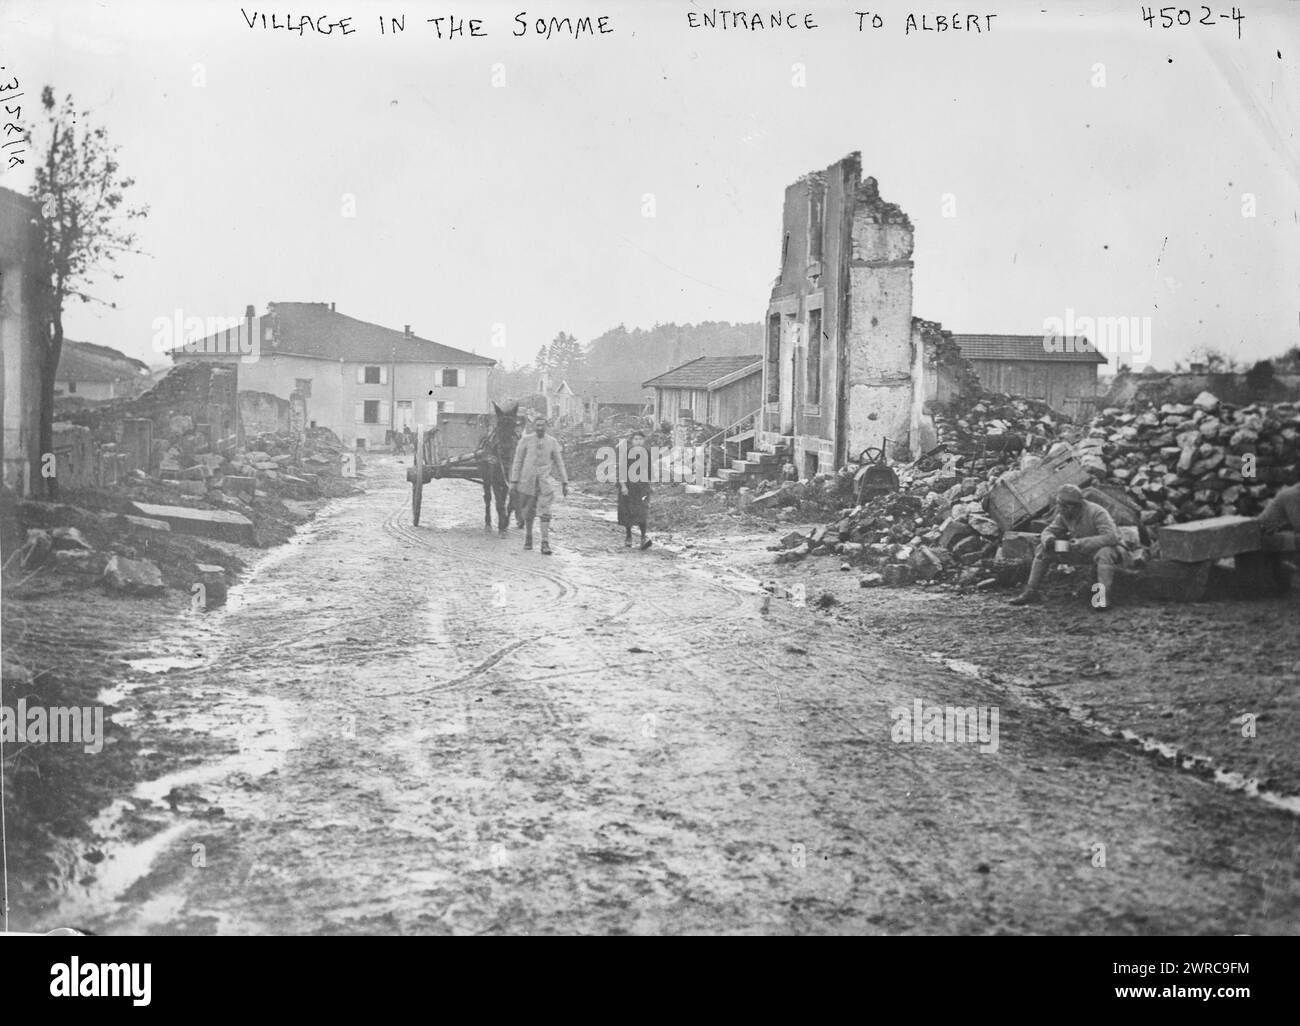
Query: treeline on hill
(613, 365)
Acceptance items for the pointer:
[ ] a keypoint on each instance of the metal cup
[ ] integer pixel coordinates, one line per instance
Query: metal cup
(1062, 546)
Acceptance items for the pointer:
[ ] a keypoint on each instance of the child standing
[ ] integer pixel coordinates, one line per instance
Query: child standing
(634, 489)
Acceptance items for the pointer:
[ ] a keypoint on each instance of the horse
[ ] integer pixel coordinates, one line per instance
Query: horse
(496, 455)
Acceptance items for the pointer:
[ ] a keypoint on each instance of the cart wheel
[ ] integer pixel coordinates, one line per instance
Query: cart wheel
(871, 455)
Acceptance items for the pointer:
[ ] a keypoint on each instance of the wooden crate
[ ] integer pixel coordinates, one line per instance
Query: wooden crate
(1021, 496)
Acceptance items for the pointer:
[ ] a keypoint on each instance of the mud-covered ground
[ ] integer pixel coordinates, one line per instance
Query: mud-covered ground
(1212, 685)
(401, 730)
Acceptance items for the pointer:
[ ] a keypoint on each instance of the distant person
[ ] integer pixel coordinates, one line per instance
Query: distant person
(538, 464)
(1081, 532)
(633, 471)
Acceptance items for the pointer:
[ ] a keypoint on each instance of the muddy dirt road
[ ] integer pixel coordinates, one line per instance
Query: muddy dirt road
(431, 731)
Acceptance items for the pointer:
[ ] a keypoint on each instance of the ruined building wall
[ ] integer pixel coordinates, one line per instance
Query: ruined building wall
(879, 360)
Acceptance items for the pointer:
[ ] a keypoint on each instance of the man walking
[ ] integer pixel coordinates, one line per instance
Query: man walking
(537, 465)
(1081, 532)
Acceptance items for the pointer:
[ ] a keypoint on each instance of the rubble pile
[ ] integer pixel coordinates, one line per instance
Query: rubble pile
(935, 527)
(169, 463)
(1191, 461)
(267, 464)
(1160, 465)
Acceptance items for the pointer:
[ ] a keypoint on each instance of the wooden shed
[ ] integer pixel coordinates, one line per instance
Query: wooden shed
(1061, 374)
(714, 390)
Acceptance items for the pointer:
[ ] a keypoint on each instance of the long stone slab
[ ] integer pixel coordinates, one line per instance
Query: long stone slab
(1214, 538)
(222, 525)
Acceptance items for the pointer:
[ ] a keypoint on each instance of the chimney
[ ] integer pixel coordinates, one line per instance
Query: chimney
(408, 331)
(331, 306)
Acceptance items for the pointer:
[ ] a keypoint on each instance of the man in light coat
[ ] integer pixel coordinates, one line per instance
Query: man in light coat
(1081, 532)
(537, 468)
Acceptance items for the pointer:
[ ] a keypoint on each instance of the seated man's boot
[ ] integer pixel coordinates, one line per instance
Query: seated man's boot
(1103, 590)
(1031, 592)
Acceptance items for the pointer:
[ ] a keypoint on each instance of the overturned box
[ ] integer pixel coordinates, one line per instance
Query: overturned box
(1019, 497)
(1210, 539)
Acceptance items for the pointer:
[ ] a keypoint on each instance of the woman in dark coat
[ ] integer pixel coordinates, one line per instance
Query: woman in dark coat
(634, 489)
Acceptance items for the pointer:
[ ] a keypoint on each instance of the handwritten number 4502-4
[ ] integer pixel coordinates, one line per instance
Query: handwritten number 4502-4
(1183, 16)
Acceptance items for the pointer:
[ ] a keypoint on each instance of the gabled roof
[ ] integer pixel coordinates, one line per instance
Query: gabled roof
(313, 329)
(1077, 349)
(708, 372)
(85, 361)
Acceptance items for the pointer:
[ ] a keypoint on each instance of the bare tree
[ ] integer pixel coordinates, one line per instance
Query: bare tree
(81, 190)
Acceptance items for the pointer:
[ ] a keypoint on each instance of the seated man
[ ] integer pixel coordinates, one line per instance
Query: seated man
(1281, 517)
(1081, 532)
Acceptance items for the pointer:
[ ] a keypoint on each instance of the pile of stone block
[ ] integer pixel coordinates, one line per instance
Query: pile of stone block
(1194, 461)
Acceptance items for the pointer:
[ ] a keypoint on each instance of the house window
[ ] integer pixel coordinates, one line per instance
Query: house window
(371, 413)
(374, 376)
(774, 358)
(812, 373)
(302, 386)
(72, 387)
(450, 377)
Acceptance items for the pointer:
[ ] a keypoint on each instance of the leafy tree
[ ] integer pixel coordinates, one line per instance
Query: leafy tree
(81, 192)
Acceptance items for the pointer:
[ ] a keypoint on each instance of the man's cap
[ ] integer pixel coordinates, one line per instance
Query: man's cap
(1069, 493)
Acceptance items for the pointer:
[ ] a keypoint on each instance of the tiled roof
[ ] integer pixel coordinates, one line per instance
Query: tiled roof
(1025, 347)
(705, 370)
(313, 329)
(84, 361)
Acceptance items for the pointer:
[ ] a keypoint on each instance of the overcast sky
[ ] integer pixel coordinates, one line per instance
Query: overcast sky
(523, 204)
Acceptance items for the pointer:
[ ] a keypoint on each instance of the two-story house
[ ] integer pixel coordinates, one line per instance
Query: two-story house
(358, 379)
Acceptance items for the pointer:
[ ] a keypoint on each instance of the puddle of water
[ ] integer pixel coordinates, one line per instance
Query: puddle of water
(116, 694)
(161, 664)
(263, 740)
